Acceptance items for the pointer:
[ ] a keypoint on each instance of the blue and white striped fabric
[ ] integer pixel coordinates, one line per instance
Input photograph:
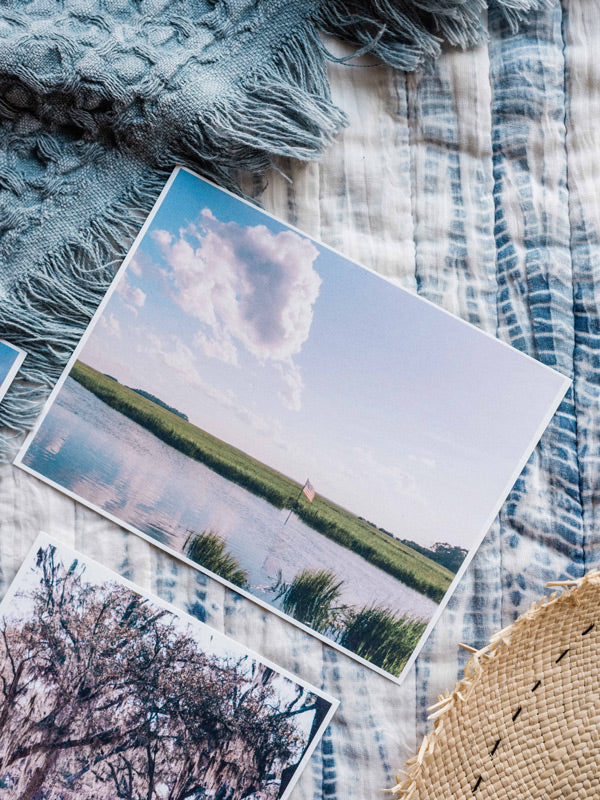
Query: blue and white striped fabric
(476, 184)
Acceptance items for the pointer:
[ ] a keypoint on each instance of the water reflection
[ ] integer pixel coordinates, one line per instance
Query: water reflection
(113, 463)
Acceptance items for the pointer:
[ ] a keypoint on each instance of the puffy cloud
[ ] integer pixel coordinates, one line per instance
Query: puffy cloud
(249, 288)
(175, 355)
(132, 296)
(217, 346)
(424, 461)
(162, 238)
(140, 262)
(135, 264)
(110, 325)
(394, 477)
(291, 392)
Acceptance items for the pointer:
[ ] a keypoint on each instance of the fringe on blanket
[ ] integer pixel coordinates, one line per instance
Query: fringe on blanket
(285, 108)
(406, 35)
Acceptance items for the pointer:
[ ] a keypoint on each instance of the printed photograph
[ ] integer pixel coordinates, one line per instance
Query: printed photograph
(302, 428)
(11, 358)
(107, 693)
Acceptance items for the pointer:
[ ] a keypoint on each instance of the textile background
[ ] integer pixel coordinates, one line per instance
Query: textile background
(475, 183)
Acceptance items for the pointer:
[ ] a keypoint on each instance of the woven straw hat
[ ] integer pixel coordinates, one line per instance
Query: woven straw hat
(525, 720)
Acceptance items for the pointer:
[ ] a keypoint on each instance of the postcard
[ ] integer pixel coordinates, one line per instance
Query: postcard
(329, 444)
(11, 358)
(110, 692)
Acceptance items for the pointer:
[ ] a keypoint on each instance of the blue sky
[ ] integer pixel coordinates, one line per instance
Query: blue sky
(319, 368)
(8, 356)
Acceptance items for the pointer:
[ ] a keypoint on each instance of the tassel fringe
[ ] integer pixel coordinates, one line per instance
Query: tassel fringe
(408, 35)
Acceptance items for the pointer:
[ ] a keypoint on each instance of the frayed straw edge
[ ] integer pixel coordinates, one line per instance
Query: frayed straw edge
(412, 776)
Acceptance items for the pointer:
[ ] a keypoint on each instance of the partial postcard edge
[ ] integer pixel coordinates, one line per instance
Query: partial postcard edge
(21, 355)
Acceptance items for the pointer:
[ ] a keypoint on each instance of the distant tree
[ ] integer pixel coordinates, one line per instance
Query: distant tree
(157, 401)
(102, 694)
(448, 555)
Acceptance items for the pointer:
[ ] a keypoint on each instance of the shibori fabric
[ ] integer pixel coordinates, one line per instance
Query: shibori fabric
(99, 100)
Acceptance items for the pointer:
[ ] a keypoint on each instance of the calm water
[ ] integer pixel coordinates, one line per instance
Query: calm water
(110, 461)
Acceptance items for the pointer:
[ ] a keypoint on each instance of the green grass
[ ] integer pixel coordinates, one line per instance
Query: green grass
(374, 632)
(381, 637)
(313, 598)
(389, 554)
(210, 550)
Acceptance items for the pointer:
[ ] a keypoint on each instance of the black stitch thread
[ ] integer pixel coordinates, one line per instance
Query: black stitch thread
(518, 711)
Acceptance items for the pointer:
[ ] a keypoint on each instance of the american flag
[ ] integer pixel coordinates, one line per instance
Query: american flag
(309, 491)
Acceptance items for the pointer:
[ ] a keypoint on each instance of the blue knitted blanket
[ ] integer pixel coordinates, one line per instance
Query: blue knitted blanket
(99, 100)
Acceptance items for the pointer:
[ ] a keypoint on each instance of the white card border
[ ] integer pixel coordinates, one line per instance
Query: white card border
(18, 462)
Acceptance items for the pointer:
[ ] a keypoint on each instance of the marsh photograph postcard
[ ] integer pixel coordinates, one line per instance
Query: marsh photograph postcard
(107, 692)
(11, 358)
(332, 446)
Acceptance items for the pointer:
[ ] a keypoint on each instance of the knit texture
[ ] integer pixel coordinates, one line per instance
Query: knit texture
(99, 100)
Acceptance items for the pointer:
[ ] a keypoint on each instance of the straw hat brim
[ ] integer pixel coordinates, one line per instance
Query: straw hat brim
(524, 722)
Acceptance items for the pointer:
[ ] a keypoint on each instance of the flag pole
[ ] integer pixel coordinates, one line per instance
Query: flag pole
(293, 506)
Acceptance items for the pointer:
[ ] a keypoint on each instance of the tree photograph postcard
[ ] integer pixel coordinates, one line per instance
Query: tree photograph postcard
(328, 444)
(11, 358)
(107, 692)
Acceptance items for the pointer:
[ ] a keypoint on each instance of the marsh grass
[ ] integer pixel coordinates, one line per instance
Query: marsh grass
(336, 523)
(379, 636)
(210, 550)
(313, 598)
(375, 633)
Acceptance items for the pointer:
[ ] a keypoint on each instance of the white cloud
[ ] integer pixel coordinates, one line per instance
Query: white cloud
(180, 360)
(221, 347)
(132, 296)
(392, 476)
(135, 265)
(162, 238)
(110, 325)
(291, 393)
(248, 288)
(424, 461)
